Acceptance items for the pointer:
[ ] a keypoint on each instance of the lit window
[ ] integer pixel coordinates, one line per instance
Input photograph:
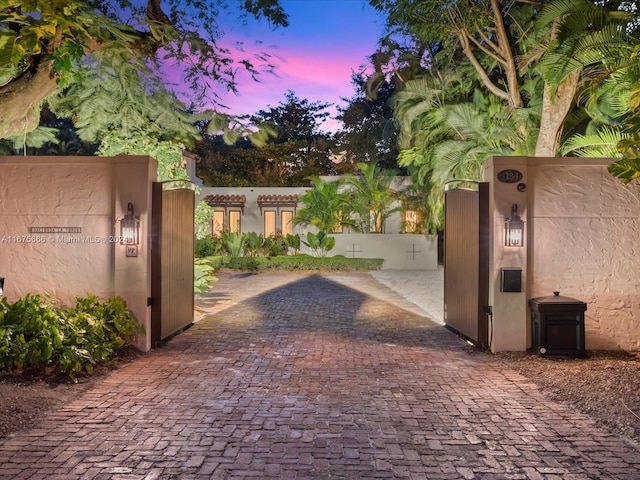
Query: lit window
(269, 223)
(234, 221)
(410, 221)
(217, 224)
(222, 205)
(337, 228)
(287, 225)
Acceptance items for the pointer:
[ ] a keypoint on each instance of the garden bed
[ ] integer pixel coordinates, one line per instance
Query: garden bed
(295, 263)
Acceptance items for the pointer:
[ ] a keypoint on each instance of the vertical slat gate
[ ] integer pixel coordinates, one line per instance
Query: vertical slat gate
(466, 262)
(172, 260)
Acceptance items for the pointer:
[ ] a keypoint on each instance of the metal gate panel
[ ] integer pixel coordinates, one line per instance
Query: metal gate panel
(172, 261)
(466, 262)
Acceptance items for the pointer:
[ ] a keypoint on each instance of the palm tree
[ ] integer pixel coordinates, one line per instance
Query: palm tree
(445, 138)
(423, 199)
(450, 123)
(580, 43)
(564, 47)
(324, 206)
(370, 197)
(601, 125)
(452, 141)
(627, 169)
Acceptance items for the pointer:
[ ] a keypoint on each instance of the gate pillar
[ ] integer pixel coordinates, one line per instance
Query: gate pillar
(507, 177)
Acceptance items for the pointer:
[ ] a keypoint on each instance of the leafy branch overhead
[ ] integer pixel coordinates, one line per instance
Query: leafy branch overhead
(538, 59)
(627, 169)
(494, 78)
(47, 46)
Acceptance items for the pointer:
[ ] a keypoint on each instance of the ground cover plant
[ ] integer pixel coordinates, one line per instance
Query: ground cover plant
(294, 262)
(203, 275)
(250, 251)
(35, 333)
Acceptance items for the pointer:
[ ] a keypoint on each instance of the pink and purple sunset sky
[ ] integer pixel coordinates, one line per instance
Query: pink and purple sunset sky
(325, 42)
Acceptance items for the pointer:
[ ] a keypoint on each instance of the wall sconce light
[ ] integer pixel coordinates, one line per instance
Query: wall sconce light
(514, 229)
(1, 285)
(130, 228)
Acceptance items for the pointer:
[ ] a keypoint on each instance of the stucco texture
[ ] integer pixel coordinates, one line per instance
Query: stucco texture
(54, 195)
(584, 228)
(59, 229)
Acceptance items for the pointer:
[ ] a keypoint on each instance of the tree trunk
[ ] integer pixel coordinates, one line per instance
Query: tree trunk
(504, 43)
(21, 100)
(555, 107)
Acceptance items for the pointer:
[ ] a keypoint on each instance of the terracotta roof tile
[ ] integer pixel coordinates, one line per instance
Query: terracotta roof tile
(225, 199)
(277, 199)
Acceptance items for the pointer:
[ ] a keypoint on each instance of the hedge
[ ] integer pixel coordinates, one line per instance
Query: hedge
(295, 262)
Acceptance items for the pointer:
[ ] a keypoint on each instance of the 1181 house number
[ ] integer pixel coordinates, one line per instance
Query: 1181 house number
(509, 176)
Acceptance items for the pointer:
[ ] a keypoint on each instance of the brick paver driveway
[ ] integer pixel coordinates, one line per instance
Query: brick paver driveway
(315, 377)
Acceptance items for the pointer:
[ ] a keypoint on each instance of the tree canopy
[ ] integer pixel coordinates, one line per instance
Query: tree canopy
(490, 77)
(368, 132)
(540, 55)
(294, 119)
(294, 148)
(47, 46)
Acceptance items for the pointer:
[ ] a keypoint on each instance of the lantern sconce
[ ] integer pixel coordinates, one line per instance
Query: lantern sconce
(130, 231)
(514, 229)
(1, 285)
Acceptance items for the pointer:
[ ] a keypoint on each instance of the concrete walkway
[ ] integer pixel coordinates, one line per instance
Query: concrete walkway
(297, 376)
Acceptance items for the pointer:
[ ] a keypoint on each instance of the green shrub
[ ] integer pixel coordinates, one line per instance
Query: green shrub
(308, 262)
(295, 262)
(208, 246)
(203, 275)
(293, 242)
(253, 243)
(243, 263)
(321, 243)
(275, 245)
(30, 328)
(34, 332)
(234, 243)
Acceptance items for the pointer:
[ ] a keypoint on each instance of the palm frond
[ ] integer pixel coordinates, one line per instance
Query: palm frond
(601, 144)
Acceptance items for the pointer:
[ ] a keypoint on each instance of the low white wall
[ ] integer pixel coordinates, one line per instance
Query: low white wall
(83, 198)
(399, 252)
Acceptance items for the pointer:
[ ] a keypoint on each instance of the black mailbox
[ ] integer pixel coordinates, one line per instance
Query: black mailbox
(557, 325)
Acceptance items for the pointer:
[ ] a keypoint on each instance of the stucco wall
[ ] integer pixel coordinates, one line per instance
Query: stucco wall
(400, 252)
(87, 195)
(582, 236)
(584, 228)
(509, 329)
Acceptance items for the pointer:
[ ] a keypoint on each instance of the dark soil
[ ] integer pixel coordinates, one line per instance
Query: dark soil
(605, 385)
(27, 396)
